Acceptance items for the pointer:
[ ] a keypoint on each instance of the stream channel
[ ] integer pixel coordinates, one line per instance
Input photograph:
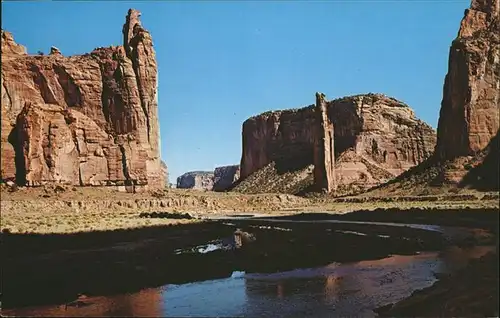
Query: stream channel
(321, 268)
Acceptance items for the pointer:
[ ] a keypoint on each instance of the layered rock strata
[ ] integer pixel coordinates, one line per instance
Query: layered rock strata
(380, 132)
(88, 120)
(470, 108)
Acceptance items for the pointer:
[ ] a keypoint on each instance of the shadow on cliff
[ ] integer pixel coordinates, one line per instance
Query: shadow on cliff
(485, 176)
(19, 160)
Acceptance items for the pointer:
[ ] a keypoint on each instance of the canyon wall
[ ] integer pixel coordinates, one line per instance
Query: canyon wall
(470, 108)
(375, 138)
(88, 120)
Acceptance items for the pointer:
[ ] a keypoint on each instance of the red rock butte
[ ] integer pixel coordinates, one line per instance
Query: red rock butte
(364, 140)
(86, 120)
(470, 109)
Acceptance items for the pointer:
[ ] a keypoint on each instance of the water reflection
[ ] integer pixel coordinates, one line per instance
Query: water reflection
(214, 298)
(353, 289)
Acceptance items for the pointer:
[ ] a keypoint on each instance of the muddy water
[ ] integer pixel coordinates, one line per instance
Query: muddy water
(348, 289)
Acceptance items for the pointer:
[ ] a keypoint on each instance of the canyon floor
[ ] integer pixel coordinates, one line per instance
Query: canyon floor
(69, 209)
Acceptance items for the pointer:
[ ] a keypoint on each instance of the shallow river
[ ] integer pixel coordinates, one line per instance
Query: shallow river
(349, 289)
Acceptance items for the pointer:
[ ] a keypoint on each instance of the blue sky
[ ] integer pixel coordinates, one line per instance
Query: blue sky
(221, 62)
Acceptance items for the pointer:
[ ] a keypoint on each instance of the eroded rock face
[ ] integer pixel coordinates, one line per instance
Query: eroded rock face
(225, 176)
(198, 180)
(83, 120)
(470, 109)
(382, 133)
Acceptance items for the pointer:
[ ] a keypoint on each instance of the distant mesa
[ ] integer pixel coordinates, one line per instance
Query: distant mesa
(221, 179)
(85, 120)
(198, 180)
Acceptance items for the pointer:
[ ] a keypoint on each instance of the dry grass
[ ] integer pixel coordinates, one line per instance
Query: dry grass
(101, 209)
(345, 207)
(47, 210)
(43, 222)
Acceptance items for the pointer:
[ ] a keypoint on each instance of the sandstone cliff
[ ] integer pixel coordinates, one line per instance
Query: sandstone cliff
(470, 109)
(198, 180)
(468, 141)
(82, 120)
(375, 138)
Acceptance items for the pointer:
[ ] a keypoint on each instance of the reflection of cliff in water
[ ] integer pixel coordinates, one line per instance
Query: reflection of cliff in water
(350, 289)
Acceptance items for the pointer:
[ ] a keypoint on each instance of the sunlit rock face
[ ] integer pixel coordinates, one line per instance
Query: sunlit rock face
(88, 120)
(375, 137)
(469, 116)
(198, 180)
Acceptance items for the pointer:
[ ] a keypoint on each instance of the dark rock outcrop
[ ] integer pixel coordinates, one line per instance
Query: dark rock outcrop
(375, 138)
(470, 109)
(225, 177)
(199, 180)
(82, 120)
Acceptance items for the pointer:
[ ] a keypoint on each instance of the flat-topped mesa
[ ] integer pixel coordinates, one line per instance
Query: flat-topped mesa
(469, 116)
(83, 120)
(197, 180)
(324, 157)
(376, 138)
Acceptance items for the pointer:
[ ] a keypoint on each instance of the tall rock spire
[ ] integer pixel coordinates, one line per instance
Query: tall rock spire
(324, 161)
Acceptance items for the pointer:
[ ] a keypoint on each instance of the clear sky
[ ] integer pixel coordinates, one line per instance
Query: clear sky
(221, 62)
